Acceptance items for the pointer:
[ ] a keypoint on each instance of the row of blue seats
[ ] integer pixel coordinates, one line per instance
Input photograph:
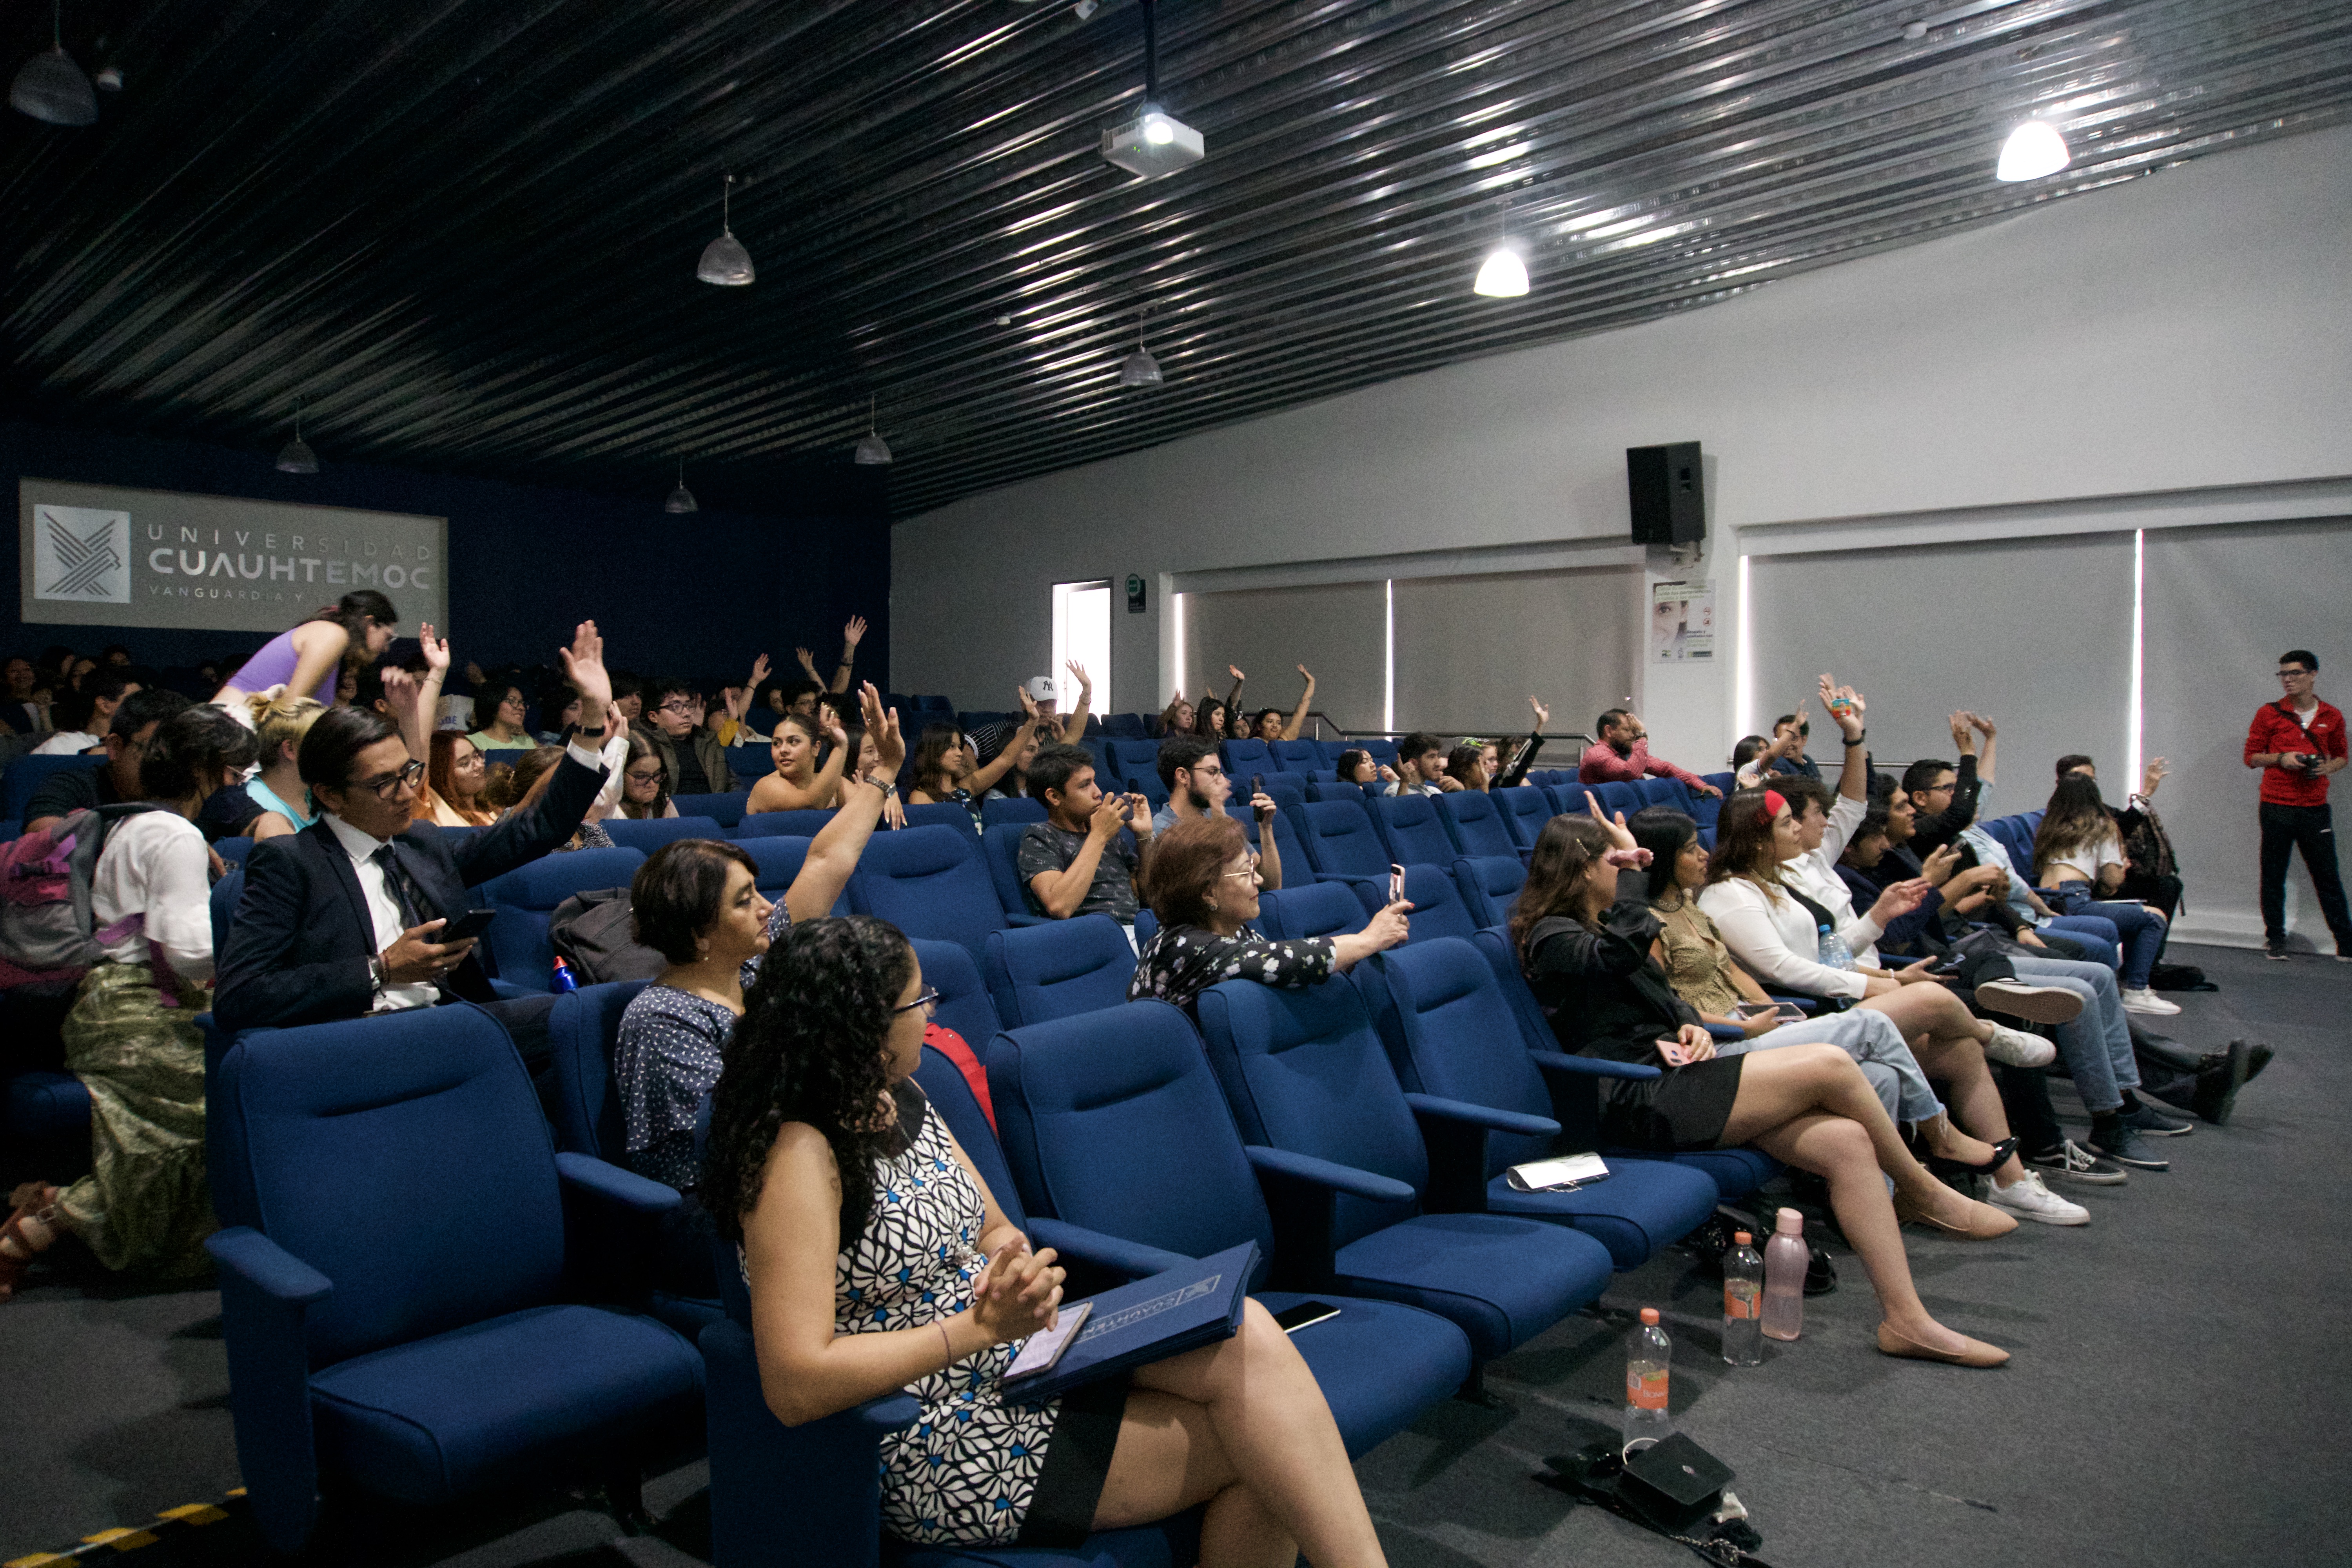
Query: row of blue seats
(1358, 1132)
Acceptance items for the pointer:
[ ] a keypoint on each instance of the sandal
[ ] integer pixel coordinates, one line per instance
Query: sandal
(35, 1201)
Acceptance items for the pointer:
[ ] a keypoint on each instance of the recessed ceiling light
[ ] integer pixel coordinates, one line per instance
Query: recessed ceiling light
(2033, 150)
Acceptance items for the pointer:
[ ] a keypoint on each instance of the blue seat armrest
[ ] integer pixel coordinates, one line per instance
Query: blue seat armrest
(1430, 1105)
(1327, 1174)
(891, 1412)
(268, 1267)
(1592, 1066)
(1726, 1032)
(508, 991)
(1116, 1253)
(1012, 919)
(623, 1189)
(1806, 1003)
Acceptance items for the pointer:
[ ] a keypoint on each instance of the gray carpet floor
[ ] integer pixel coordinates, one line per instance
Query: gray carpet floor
(2178, 1395)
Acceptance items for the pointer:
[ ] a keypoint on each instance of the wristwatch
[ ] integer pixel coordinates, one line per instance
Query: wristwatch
(377, 978)
(1857, 740)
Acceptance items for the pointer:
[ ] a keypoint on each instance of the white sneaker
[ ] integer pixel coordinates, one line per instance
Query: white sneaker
(2017, 1048)
(2029, 1199)
(2146, 1001)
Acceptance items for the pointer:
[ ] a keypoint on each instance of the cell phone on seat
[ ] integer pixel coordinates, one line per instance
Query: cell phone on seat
(1290, 1320)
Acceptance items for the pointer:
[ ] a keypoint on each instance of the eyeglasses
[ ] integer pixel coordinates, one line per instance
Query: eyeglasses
(653, 777)
(411, 776)
(2292, 674)
(926, 1001)
(675, 708)
(1250, 870)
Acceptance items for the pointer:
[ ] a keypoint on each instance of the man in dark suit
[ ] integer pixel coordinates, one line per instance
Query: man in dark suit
(339, 921)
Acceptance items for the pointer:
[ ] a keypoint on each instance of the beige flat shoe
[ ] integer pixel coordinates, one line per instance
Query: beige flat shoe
(1985, 1223)
(1974, 1353)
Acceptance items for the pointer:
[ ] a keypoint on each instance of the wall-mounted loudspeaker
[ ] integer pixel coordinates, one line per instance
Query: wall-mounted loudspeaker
(1668, 493)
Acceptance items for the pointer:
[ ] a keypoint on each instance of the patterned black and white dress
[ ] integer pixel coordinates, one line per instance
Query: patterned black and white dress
(1180, 961)
(968, 1470)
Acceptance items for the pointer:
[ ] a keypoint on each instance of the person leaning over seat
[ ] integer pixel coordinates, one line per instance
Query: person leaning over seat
(877, 1259)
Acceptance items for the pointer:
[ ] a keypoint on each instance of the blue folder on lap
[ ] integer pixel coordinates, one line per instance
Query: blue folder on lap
(1151, 1319)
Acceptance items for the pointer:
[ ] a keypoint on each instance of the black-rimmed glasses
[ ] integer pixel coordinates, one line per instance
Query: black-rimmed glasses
(928, 1000)
(412, 775)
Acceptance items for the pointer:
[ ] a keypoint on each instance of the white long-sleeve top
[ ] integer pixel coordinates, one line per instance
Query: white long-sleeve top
(1773, 939)
(156, 864)
(615, 758)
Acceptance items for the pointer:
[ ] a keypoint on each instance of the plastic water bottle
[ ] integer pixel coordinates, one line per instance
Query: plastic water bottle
(1646, 1354)
(565, 979)
(1834, 953)
(1743, 1301)
(1785, 1260)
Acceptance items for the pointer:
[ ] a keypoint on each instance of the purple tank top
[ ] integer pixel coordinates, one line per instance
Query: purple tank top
(274, 666)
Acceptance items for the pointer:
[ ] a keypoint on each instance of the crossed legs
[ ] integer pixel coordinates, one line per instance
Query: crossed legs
(1241, 1426)
(1950, 1042)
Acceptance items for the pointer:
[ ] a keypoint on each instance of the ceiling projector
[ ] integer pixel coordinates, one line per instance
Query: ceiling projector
(1154, 142)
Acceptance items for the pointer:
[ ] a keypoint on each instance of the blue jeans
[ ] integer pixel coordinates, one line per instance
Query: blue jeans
(2140, 929)
(2093, 934)
(2097, 1046)
(1875, 1041)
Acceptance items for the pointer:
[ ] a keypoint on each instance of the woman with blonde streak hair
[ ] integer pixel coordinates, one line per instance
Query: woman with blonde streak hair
(279, 720)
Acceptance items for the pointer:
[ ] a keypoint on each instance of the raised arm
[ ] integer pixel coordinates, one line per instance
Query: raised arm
(319, 647)
(851, 636)
(1234, 697)
(1515, 772)
(1073, 725)
(1298, 714)
(833, 853)
(415, 701)
(1983, 726)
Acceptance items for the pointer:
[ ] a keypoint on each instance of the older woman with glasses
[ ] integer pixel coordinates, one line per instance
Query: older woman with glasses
(1200, 880)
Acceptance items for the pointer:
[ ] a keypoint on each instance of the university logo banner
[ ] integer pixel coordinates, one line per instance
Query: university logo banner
(101, 555)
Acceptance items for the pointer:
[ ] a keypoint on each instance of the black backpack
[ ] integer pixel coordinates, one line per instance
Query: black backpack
(591, 931)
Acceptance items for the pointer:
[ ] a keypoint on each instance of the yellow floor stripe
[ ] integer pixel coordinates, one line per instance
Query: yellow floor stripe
(121, 1540)
(236, 1491)
(38, 1559)
(194, 1513)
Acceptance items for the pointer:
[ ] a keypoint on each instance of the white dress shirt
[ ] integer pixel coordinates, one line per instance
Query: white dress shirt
(66, 743)
(384, 907)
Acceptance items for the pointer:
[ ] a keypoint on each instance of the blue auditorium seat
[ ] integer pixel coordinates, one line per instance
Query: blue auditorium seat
(1004, 809)
(1297, 862)
(1438, 909)
(1134, 757)
(43, 1104)
(1490, 884)
(802, 823)
(225, 896)
(1347, 1170)
(1310, 909)
(999, 851)
(1052, 971)
(410, 1315)
(1525, 810)
(520, 953)
(964, 1006)
(28, 775)
(751, 764)
(1244, 758)
(1297, 756)
(1475, 820)
(1450, 1033)
(1123, 1155)
(649, 834)
(1124, 726)
(1410, 825)
(1735, 1171)
(928, 882)
(726, 810)
(1617, 797)
(1343, 846)
(233, 850)
(942, 814)
(1662, 792)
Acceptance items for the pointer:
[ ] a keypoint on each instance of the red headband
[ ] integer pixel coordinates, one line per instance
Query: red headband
(1775, 803)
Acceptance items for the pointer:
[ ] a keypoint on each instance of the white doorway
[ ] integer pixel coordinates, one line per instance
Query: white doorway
(1082, 634)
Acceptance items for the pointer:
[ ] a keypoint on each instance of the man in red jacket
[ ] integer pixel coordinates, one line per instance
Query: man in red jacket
(2297, 742)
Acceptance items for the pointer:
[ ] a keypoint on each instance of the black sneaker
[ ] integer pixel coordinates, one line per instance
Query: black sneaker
(2147, 1120)
(2216, 1088)
(2276, 952)
(2119, 1142)
(2073, 1162)
(2258, 1057)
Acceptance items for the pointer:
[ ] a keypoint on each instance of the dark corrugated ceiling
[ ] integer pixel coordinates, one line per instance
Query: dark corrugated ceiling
(463, 234)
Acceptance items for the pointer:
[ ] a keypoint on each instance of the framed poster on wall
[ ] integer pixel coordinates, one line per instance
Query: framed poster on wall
(104, 555)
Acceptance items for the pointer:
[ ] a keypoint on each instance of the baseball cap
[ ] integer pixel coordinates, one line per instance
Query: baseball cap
(1040, 689)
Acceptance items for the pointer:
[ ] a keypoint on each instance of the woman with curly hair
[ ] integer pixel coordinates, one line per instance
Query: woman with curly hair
(1589, 959)
(878, 1260)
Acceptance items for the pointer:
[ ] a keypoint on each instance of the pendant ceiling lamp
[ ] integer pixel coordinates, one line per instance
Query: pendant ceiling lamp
(1155, 142)
(1504, 274)
(296, 457)
(1138, 369)
(873, 450)
(51, 86)
(681, 500)
(2033, 149)
(724, 260)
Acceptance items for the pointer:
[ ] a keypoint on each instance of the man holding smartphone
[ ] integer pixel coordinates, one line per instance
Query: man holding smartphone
(2296, 742)
(1197, 785)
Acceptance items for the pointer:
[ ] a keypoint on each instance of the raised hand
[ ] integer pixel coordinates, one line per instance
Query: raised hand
(855, 632)
(1307, 673)
(583, 666)
(1543, 714)
(1262, 806)
(435, 649)
(474, 673)
(400, 689)
(1078, 673)
(1618, 835)
(1028, 704)
(1387, 774)
(1234, 671)
(808, 663)
(1389, 927)
(738, 703)
(758, 670)
(1983, 725)
(1961, 736)
(882, 723)
(2153, 774)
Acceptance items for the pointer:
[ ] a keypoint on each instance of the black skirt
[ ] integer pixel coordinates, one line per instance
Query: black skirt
(1078, 1462)
(1681, 1110)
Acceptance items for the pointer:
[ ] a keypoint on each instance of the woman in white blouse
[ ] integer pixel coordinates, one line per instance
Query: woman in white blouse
(131, 1037)
(1773, 882)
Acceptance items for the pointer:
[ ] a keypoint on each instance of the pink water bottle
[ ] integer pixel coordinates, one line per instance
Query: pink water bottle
(1785, 1259)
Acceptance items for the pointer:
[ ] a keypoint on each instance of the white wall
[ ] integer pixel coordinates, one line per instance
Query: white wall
(2187, 329)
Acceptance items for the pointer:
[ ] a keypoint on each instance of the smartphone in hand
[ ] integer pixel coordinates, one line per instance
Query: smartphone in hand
(1396, 883)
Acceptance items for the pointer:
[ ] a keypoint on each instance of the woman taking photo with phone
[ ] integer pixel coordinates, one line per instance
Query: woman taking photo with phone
(878, 1260)
(1588, 959)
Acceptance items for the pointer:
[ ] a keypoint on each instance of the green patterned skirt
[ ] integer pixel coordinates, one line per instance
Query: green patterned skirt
(145, 1203)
